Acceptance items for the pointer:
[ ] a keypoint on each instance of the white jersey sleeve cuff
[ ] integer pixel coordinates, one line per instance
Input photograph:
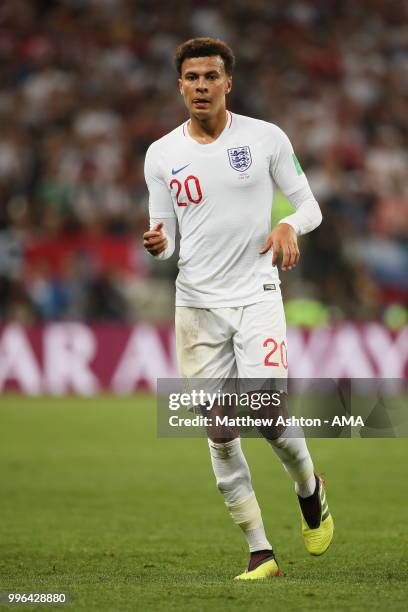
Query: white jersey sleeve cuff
(308, 215)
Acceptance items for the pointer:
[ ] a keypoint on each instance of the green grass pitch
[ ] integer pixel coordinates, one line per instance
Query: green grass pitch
(94, 504)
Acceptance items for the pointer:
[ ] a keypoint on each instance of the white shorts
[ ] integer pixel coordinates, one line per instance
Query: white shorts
(245, 341)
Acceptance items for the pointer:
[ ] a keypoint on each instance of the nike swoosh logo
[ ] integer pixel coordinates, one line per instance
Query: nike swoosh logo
(173, 171)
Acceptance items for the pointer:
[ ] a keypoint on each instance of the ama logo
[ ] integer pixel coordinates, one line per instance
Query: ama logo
(240, 158)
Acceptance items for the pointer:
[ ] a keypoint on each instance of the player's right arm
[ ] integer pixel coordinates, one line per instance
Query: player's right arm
(160, 239)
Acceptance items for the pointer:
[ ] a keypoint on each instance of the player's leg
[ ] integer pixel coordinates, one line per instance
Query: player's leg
(234, 482)
(205, 350)
(260, 348)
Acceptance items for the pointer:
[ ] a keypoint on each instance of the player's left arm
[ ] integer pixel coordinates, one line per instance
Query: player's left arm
(290, 178)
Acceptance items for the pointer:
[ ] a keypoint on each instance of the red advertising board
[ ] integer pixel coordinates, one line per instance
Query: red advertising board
(72, 357)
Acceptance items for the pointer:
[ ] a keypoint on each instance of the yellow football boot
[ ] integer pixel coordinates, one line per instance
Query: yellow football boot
(317, 522)
(264, 571)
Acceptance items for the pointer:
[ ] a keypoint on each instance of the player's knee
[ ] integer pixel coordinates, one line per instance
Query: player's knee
(273, 416)
(271, 433)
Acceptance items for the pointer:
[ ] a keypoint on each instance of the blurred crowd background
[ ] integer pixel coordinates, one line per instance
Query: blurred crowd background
(87, 85)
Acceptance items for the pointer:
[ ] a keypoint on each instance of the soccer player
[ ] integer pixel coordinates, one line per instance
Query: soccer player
(214, 175)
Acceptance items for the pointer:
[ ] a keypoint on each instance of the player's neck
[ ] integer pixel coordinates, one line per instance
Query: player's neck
(205, 131)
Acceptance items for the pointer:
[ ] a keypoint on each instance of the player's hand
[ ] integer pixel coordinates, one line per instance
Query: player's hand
(283, 239)
(154, 240)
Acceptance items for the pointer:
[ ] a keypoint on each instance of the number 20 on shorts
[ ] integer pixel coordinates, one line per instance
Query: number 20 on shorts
(192, 189)
(281, 353)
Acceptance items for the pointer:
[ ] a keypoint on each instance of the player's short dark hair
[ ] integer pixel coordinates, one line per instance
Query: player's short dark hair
(205, 47)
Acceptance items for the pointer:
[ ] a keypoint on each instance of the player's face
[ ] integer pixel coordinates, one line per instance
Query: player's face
(204, 85)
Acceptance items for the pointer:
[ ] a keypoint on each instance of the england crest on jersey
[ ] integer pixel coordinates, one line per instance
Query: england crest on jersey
(240, 158)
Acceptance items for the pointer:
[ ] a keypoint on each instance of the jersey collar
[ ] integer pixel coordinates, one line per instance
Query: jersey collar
(215, 142)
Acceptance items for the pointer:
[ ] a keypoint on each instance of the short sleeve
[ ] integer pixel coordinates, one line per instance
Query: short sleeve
(160, 201)
(285, 168)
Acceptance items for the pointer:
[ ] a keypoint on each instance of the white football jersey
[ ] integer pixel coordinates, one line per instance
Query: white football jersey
(221, 194)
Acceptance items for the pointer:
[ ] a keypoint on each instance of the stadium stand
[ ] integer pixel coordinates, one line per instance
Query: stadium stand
(86, 85)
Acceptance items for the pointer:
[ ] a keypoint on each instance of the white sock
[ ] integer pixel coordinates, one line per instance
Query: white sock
(307, 488)
(234, 482)
(296, 460)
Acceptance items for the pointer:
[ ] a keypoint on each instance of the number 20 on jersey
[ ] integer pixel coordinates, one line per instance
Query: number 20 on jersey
(189, 190)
